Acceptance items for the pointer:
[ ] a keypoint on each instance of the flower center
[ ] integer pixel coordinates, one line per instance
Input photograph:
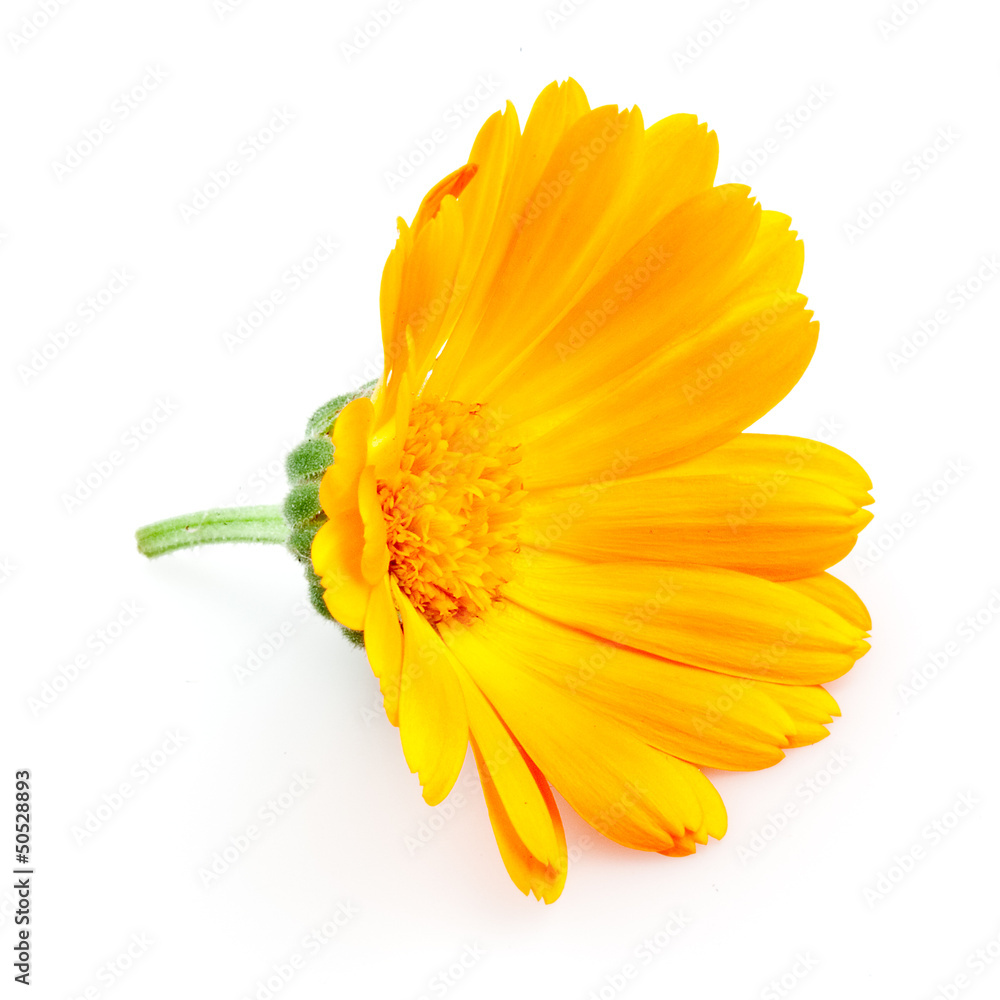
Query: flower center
(452, 520)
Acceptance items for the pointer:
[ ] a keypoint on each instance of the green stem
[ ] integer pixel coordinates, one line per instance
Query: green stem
(209, 527)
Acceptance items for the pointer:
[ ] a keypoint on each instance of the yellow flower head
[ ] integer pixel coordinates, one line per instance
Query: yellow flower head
(546, 518)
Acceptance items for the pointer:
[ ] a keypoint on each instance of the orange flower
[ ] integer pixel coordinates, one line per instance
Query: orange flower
(546, 518)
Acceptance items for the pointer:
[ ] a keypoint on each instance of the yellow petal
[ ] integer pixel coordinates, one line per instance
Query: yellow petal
(417, 289)
(338, 489)
(812, 707)
(510, 166)
(454, 184)
(773, 264)
(626, 789)
(433, 726)
(701, 716)
(562, 232)
(835, 594)
(338, 546)
(717, 619)
(336, 557)
(527, 804)
(375, 552)
(677, 159)
(525, 870)
(556, 109)
(749, 456)
(486, 233)
(666, 288)
(384, 646)
(682, 403)
(774, 506)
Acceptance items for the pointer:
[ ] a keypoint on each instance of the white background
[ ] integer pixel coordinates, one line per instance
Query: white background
(753, 908)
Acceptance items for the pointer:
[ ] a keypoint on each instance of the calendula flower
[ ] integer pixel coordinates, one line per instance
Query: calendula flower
(546, 519)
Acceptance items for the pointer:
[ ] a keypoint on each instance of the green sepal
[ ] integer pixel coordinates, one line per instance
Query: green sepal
(316, 594)
(300, 541)
(353, 637)
(302, 505)
(309, 460)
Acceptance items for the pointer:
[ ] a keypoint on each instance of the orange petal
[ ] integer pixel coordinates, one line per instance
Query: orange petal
(384, 646)
(626, 789)
(733, 623)
(433, 726)
(774, 506)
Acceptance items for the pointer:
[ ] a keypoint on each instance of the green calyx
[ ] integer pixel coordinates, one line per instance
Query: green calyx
(293, 524)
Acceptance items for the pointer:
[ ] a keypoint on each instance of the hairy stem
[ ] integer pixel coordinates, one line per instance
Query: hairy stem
(211, 527)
